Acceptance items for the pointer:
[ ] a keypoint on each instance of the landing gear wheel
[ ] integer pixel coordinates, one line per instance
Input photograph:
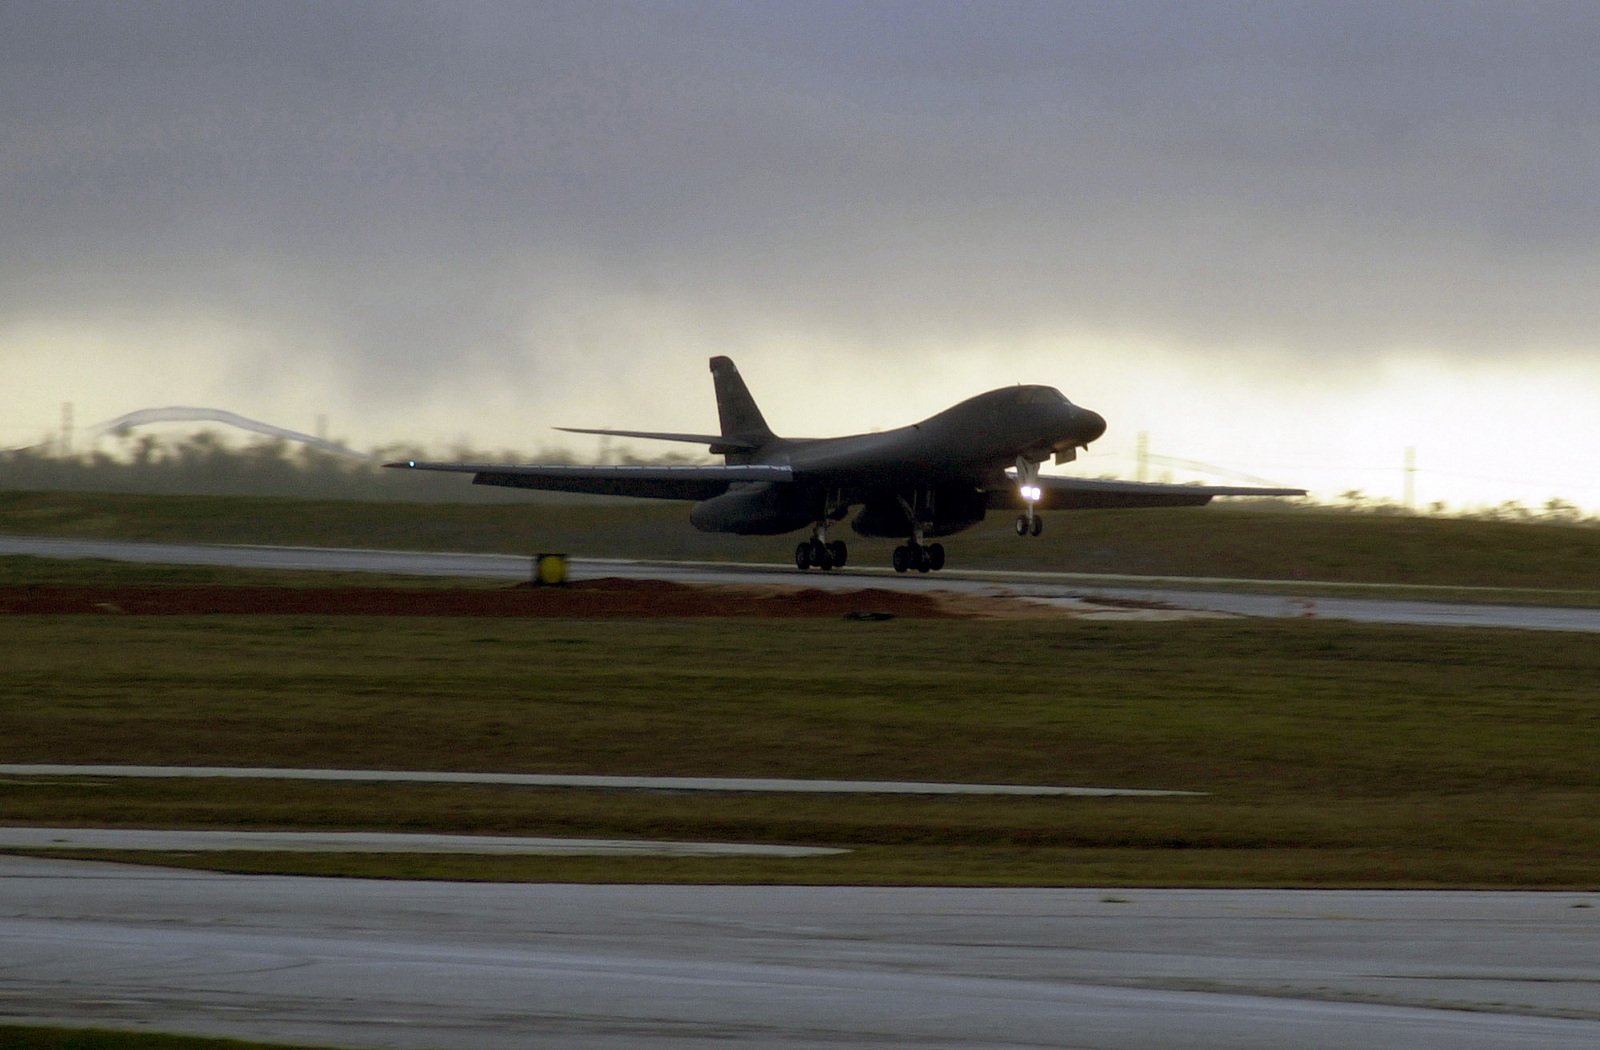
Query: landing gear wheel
(1022, 525)
(1038, 525)
(821, 556)
(902, 558)
(839, 552)
(936, 556)
(802, 557)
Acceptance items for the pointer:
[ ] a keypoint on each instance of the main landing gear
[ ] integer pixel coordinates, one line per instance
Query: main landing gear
(915, 555)
(818, 553)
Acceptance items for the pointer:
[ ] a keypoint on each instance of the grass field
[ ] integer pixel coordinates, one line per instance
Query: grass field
(1222, 540)
(38, 1037)
(27, 571)
(1332, 754)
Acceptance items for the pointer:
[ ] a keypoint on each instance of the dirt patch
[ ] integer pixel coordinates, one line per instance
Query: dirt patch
(589, 599)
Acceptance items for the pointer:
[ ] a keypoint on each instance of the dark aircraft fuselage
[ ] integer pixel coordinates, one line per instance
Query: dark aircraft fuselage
(939, 466)
(973, 441)
(932, 478)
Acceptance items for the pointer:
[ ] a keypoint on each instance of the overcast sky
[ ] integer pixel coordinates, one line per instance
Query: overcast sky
(1288, 238)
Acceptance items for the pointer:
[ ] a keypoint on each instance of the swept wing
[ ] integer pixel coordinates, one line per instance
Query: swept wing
(694, 483)
(1069, 493)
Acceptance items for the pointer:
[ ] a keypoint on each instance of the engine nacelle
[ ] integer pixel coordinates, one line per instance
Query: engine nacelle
(943, 511)
(757, 509)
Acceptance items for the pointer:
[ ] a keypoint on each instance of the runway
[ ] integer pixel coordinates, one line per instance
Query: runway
(404, 964)
(1076, 590)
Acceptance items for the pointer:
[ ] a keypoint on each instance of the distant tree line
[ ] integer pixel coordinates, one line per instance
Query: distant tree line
(1553, 511)
(202, 464)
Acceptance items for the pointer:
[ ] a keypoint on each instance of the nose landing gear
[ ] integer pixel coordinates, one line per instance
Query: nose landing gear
(1029, 523)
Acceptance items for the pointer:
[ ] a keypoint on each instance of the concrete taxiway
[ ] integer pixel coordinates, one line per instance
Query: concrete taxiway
(1060, 588)
(403, 964)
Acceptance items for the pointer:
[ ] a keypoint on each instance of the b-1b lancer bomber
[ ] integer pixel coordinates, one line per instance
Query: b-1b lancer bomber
(933, 478)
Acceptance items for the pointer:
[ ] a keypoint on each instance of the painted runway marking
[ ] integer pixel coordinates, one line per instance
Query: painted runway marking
(777, 785)
(380, 842)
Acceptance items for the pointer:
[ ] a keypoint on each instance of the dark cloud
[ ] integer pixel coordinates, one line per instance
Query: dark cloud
(436, 188)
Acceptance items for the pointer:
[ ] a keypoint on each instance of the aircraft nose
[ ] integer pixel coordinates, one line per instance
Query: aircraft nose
(1093, 424)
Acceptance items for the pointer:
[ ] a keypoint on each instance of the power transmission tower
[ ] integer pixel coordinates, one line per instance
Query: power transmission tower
(1410, 476)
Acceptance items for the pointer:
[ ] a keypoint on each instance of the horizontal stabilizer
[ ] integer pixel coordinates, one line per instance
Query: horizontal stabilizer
(717, 442)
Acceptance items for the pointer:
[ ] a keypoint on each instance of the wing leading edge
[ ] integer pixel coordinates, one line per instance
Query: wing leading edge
(700, 482)
(1067, 493)
(689, 483)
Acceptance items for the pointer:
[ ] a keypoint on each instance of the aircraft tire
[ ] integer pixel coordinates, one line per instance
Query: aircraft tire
(1038, 525)
(1022, 525)
(902, 558)
(840, 553)
(936, 556)
(802, 557)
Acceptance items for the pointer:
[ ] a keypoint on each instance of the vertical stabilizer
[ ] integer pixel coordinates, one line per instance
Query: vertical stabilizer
(735, 407)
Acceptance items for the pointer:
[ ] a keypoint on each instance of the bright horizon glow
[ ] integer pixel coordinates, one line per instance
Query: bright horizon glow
(1482, 436)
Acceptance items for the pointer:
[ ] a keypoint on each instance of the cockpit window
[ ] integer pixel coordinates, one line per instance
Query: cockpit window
(1040, 395)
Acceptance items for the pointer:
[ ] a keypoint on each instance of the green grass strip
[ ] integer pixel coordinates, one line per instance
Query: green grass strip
(39, 1037)
(1333, 754)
